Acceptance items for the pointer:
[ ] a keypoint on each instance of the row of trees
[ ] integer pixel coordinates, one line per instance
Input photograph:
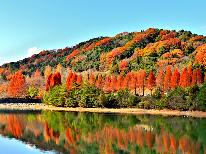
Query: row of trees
(137, 82)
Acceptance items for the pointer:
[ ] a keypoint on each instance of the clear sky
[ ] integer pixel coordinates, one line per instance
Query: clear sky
(27, 26)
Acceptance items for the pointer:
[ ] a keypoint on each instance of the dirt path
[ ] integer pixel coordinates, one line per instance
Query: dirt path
(165, 112)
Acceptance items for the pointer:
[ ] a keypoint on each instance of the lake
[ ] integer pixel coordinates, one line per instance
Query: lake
(72, 132)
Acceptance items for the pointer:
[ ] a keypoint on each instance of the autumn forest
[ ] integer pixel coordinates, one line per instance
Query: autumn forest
(151, 69)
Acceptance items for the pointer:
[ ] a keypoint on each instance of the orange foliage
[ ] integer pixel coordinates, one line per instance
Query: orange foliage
(15, 126)
(151, 81)
(167, 78)
(53, 80)
(200, 57)
(175, 79)
(17, 85)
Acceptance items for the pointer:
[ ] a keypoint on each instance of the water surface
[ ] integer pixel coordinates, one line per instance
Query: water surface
(73, 132)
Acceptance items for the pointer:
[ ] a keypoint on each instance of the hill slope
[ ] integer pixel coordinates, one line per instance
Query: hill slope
(149, 50)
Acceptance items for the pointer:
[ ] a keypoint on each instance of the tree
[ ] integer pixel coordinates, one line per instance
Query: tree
(119, 82)
(167, 78)
(17, 85)
(37, 73)
(141, 80)
(199, 76)
(159, 79)
(184, 79)
(151, 81)
(59, 68)
(99, 81)
(113, 83)
(79, 79)
(47, 71)
(53, 80)
(92, 79)
(175, 79)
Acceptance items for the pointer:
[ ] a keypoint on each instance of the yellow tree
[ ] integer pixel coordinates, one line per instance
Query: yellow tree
(47, 71)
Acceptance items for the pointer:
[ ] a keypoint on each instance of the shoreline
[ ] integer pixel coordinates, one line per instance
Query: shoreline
(134, 111)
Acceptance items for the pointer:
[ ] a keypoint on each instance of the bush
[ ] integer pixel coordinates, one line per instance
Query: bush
(88, 96)
(148, 102)
(125, 99)
(32, 92)
(57, 96)
(72, 99)
(176, 99)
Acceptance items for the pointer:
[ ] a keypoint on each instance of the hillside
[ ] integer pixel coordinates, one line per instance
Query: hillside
(149, 50)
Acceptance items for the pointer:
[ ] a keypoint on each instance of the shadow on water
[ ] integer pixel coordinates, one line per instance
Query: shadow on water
(73, 132)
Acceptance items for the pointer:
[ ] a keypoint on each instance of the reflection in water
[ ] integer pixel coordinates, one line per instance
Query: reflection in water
(71, 132)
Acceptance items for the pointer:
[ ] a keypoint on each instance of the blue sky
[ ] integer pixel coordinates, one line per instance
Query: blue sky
(27, 26)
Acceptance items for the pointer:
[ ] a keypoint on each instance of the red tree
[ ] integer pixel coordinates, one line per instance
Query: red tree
(141, 80)
(53, 80)
(92, 79)
(151, 81)
(175, 79)
(99, 81)
(17, 85)
(119, 82)
(107, 84)
(167, 78)
(113, 83)
(199, 76)
(79, 79)
(184, 79)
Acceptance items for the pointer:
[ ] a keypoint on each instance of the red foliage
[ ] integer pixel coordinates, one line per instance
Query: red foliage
(107, 84)
(119, 82)
(184, 79)
(114, 83)
(53, 80)
(123, 65)
(79, 79)
(201, 54)
(151, 81)
(159, 79)
(199, 76)
(92, 79)
(99, 81)
(141, 80)
(175, 79)
(17, 85)
(37, 73)
(167, 78)
(73, 54)
(15, 126)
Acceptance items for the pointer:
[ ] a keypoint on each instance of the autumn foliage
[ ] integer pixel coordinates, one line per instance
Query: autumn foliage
(17, 85)
(53, 80)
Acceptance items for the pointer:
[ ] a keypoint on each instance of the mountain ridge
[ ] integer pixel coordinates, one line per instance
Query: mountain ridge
(151, 48)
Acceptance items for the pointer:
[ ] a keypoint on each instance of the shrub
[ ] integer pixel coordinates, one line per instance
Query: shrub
(147, 102)
(73, 98)
(32, 92)
(88, 96)
(126, 99)
(176, 100)
(57, 96)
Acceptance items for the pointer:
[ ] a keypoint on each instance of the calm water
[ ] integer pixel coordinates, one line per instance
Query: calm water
(70, 132)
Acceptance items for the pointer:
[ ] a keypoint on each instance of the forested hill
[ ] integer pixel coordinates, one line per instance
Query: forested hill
(125, 52)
